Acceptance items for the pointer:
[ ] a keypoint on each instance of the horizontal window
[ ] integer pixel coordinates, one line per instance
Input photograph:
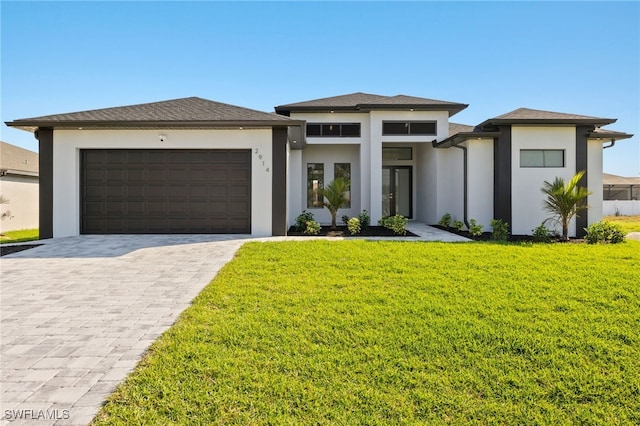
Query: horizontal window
(399, 153)
(541, 158)
(393, 128)
(333, 130)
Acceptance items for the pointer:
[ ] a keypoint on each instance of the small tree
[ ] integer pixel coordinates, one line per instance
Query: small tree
(564, 202)
(335, 195)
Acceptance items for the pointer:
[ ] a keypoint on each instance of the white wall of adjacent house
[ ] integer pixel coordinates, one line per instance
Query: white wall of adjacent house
(66, 165)
(594, 181)
(527, 198)
(21, 209)
(480, 178)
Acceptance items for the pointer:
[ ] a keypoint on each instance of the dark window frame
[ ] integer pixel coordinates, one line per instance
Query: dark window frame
(544, 165)
(408, 125)
(315, 200)
(340, 134)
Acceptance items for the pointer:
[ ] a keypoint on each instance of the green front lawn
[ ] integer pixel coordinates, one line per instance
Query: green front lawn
(20, 236)
(627, 223)
(358, 332)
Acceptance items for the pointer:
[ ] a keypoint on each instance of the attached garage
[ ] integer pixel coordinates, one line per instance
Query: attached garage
(182, 166)
(166, 191)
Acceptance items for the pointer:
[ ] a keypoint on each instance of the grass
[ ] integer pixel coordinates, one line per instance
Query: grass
(19, 236)
(627, 223)
(357, 332)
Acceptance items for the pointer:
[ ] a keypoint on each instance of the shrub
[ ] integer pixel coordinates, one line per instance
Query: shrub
(474, 228)
(542, 234)
(302, 219)
(365, 219)
(354, 226)
(457, 225)
(345, 219)
(397, 223)
(312, 228)
(500, 230)
(445, 220)
(604, 232)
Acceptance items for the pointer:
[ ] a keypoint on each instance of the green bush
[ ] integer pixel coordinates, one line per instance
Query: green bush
(604, 232)
(302, 219)
(354, 226)
(458, 225)
(445, 220)
(312, 228)
(500, 230)
(365, 219)
(397, 223)
(474, 228)
(542, 234)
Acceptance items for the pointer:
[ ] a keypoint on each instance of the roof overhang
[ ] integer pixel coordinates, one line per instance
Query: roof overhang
(33, 125)
(452, 109)
(12, 172)
(607, 136)
(496, 122)
(458, 138)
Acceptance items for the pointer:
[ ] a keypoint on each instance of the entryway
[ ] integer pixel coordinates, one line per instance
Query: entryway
(396, 191)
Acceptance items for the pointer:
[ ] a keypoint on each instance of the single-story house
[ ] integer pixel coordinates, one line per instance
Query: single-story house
(18, 188)
(197, 166)
(621, 195)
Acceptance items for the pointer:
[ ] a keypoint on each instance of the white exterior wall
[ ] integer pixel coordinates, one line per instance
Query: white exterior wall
(480, 178)
(368, 163)
(21, 212)
(526, 204)
(621, 207)
(594, 181)
(450, 190)
(295, 181)
(328, 155)
(66, 165)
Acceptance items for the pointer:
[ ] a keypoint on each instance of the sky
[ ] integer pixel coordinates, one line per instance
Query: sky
(574, 57)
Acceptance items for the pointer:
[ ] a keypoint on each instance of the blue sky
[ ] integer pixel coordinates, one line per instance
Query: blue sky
(575, 57)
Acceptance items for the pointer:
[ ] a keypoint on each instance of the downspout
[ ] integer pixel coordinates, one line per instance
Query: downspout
(465, 185)
(613, 142)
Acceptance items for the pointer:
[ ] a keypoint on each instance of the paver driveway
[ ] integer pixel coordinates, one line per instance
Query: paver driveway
(78, 313)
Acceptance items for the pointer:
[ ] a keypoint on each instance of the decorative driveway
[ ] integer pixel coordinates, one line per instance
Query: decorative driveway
(78, 313)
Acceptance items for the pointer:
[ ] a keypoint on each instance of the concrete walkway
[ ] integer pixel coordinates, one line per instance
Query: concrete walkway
(78, 313)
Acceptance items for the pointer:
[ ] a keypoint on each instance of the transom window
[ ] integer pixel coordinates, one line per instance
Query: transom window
(542, 158)
(396, 128)
(333, 130)
(397, 153)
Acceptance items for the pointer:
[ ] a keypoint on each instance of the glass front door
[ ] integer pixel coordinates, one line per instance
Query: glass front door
(396, 191)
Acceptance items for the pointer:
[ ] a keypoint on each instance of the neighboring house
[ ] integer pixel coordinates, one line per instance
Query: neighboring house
(197, 166)
(18, 188)
(621, 195)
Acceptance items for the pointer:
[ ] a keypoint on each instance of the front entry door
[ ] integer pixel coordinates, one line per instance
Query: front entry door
(397, 190)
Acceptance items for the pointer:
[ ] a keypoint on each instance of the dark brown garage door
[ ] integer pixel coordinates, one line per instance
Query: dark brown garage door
(165, 191)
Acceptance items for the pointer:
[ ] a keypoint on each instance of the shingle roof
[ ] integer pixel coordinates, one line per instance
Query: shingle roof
(184, 111)
(365, 101)
(455, 128)
(18, 160)
(535, 116)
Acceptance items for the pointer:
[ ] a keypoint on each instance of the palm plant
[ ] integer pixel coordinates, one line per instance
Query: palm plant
(564, 202)
(335, 195)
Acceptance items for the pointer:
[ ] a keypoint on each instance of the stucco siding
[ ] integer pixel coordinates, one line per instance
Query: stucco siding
(21, 211)
(66, 170)
(480, 170)
(527, 198)
(329, 155)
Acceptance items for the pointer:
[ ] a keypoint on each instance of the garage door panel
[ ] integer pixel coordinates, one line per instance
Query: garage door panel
(166, 191)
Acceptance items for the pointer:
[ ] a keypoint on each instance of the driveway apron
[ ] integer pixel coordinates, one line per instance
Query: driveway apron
(78, 313)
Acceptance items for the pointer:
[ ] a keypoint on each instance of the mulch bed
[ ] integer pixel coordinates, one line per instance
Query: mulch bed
(486, 236)
(342, 231)
(5, 250)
